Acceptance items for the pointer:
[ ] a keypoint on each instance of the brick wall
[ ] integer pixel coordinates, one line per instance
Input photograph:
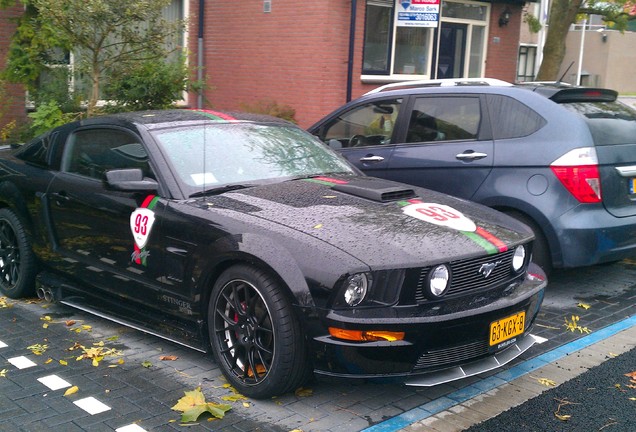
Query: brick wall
(13, 106)
(503, 43)
(295, 55)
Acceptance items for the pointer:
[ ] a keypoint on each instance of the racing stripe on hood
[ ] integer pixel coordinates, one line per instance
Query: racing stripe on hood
(488, 241)
(491, 243)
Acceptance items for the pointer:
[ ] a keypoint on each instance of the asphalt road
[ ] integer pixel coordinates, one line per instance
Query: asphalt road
(601, 399)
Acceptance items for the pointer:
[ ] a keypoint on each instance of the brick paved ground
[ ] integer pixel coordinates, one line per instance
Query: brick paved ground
(140, 398)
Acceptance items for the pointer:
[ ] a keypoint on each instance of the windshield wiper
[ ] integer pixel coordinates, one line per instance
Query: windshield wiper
(220, 189)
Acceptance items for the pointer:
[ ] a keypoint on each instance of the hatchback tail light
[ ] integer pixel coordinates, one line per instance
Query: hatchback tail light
(579, 173)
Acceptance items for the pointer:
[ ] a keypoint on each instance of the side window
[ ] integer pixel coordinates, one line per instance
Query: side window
(512, 119)
(92, 152)
(444, 119)
(38, 152)
(365, 125)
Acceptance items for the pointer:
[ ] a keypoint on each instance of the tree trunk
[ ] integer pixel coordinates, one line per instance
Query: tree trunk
(562, 15)
(94, 95)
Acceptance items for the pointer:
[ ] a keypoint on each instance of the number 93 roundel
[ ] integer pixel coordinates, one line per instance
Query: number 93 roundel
(440, 214)
(141, 221)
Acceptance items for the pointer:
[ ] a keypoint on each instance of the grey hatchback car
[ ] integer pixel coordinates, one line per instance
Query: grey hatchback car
(561, 159)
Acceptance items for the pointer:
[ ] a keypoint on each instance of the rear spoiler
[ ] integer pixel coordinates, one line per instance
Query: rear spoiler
(577, 94)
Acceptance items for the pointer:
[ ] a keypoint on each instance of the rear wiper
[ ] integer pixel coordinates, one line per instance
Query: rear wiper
(220, 189)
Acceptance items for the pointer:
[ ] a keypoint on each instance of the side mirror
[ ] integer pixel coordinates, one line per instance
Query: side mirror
(130, 179)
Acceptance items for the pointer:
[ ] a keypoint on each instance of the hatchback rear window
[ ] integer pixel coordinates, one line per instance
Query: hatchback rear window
(610, 123)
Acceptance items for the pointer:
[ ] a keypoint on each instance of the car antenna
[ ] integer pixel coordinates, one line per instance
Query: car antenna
(566, 71)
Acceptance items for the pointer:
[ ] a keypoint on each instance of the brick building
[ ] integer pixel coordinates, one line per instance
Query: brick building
(315, 56)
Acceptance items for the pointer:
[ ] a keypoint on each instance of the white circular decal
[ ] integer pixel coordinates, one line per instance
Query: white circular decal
(440, 214)
(141, 221)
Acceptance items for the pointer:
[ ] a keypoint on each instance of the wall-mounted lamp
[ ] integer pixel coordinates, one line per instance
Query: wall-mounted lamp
(504, 18)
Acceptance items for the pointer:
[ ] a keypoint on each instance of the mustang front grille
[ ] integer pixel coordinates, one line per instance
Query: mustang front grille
(468, 275)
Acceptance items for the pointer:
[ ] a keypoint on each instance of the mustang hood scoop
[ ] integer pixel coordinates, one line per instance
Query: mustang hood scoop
(381, 191)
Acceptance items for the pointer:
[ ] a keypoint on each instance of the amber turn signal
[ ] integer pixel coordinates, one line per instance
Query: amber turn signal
(366, 336)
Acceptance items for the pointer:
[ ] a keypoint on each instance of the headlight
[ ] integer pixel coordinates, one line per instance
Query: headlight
(438, 281)
(519, 258)
(356, 288)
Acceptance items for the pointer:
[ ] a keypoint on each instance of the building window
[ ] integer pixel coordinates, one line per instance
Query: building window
(451, 47)
(62, 80)
(526, 62)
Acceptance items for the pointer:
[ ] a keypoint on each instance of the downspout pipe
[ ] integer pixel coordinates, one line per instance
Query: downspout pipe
(352, 37)
(200, 52)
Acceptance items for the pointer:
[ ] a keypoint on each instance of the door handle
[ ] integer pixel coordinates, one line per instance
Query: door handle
(372, 159)
(60, 198)
(470, 155)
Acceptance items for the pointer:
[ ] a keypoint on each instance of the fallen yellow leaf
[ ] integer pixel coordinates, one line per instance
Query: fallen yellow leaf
(546, 382)
(303, 392)
(63, 362)
(563, 417)
(193, 404)
(71, 390)
(584, 306)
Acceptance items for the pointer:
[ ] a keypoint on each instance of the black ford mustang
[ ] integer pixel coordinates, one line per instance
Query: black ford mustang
(245, 236)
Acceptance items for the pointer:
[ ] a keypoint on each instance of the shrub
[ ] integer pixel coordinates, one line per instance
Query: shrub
(271, 107)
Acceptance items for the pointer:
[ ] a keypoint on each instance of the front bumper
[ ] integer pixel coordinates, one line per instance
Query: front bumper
(440, 339)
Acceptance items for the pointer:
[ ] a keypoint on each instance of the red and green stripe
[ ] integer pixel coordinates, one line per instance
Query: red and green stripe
(215, 115)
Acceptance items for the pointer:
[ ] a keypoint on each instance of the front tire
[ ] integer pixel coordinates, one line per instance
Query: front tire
(17, 262)
(255, 336)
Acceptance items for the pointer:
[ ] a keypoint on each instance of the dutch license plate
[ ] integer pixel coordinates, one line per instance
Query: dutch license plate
(632, 185)
(507, 328)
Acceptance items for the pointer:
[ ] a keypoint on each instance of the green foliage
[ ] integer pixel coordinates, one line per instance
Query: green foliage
(533, 23)
(30, 48)
(104, 36)
(150, 84)
(47, 116)
(53, 85)
(270, 107)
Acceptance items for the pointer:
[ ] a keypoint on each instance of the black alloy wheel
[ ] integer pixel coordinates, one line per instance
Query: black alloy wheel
(17, 263)
(255, 336)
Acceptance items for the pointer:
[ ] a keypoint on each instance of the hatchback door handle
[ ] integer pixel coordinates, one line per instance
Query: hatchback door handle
(374, 159)
(471, 155)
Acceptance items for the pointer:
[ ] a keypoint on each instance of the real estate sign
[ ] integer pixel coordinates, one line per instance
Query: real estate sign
(417, 13)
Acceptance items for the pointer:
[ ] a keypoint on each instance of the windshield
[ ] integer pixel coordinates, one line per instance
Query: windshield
(211, 156)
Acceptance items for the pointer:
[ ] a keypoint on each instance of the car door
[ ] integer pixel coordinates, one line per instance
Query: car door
(90, 224)
(364, 133)
(446, 146)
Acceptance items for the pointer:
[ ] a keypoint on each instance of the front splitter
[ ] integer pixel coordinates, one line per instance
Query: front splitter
(474, 368)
